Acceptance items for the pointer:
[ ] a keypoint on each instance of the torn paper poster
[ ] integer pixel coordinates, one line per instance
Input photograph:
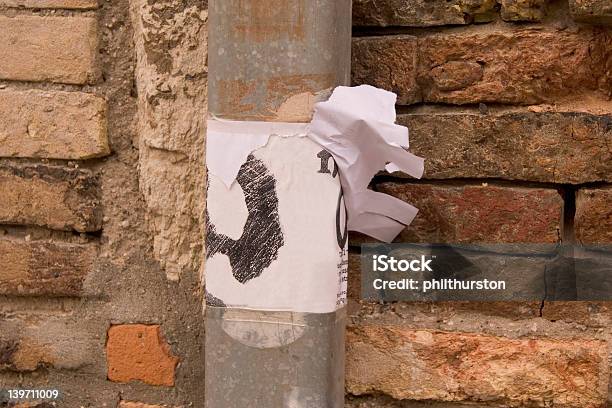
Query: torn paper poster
(357, 127)
(281, 197)
(229, 143)
(276, 236)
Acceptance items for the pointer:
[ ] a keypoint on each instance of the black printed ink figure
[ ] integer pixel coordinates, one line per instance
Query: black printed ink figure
(262, 236)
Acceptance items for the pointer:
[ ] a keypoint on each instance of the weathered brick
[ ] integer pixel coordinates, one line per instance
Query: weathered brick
(44, 268)
(354, 277)
(55, 49)
(137, 352)
(559, 147)
(421, 13)
(523, 67)
(384, 401)
(57, 125)
(592, 11)
(419, 312)
(513, 310)
(479, 213)
(387, 62)
(49, 196)
(30, 342)
(24, 355)
(523, 10)
(51, 4)
(448, 366)
(133, 404)
(593, 314)
(593, 219)
(519, 66)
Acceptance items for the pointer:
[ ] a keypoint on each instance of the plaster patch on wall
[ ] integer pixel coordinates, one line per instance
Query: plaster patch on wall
(172, 93)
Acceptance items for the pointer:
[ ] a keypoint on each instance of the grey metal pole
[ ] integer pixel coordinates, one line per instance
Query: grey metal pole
(270, 61)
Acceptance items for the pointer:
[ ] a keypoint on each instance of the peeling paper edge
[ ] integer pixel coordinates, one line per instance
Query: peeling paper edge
(357, 127)
(255, 128)
(229, 143)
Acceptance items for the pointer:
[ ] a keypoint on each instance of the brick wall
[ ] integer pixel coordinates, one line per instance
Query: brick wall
(102, 108)
(510, 104)
(86, 305)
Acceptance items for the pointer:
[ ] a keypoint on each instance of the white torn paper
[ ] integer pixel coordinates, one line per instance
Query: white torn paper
(282, 196)
(276, 239)
(229, 143)
(357, 127)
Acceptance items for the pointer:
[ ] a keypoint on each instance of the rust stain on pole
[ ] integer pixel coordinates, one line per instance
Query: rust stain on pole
(234, 96)
(288, 98)
(272, 60)
(269, 20)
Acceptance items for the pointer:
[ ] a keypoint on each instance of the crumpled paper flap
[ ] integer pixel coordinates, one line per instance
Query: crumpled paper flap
(357, 127)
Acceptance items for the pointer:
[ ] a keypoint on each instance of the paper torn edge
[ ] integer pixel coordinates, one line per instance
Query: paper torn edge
(357, 127)
(229, 143)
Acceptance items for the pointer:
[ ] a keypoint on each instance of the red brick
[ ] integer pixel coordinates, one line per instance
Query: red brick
(54, 49)
(137, 352)
(49, 196)
(477, 213)
(460, 367)
(593, 219)
(44, 268)
(421, 13)
(133, 404)
(520, 67)
(354, 277)
(523, 10)
(55, 125)
(515, 66)
(592, 314)
(591, 11)
(34, 341)
(421, 311)
(555, 147)
(388, 62)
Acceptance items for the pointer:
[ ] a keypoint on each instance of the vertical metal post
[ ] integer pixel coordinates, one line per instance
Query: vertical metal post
(270, 61)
